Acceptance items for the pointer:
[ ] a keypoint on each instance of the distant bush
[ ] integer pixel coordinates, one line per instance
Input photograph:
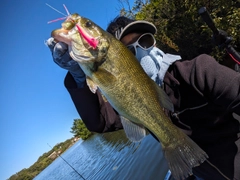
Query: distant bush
(80, 130)
(42, 162)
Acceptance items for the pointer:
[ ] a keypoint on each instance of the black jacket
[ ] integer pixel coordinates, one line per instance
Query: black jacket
(206, 97)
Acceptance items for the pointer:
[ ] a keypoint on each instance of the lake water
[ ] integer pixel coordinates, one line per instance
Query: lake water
(109, 156)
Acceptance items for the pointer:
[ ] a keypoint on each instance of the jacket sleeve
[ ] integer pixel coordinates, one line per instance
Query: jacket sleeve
(218, 83)
(97, 114)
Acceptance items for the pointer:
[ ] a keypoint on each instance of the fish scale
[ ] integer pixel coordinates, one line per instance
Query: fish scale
(112, 68)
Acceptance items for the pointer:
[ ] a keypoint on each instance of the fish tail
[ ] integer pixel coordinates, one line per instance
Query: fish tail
(182, 158)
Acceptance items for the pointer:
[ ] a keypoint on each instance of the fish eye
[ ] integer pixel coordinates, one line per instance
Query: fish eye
(88, 24)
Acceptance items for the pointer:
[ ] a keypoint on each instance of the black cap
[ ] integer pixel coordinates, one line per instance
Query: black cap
(136, 26)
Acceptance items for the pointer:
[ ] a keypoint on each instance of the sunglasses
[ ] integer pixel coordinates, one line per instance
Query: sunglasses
(145, 41)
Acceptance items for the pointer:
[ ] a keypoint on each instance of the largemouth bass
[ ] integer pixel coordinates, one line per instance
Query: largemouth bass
(112, 68)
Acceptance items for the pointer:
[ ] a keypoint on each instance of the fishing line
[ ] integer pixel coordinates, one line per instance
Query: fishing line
(66, 10)
(68, 164)
(66, 16)
(56, 9)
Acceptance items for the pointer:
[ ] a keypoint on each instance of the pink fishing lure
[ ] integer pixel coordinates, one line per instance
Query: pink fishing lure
(89, 39)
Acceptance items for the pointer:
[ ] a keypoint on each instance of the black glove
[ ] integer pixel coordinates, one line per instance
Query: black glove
(62, 58)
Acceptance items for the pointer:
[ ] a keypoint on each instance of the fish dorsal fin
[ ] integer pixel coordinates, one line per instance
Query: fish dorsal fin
(134, 132)
(164, 100)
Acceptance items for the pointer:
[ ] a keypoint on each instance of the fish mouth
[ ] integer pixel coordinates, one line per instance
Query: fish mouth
(79, 56)
(78, 49)
(64, 35)
(85, 58)
(84, 39)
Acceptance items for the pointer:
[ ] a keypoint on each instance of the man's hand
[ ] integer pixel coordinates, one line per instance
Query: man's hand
(62, 58)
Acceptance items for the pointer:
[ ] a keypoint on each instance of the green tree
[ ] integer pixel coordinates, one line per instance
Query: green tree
(181, 30)
(80, 130)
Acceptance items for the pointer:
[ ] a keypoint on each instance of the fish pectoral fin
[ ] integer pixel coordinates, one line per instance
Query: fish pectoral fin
(107, 77)
(134, 132)
(92, 86)
(104, 98)
(164, 100)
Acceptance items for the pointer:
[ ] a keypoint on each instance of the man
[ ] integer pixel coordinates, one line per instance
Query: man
(204, 94)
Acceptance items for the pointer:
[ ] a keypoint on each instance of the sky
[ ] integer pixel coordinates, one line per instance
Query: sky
(35, 108)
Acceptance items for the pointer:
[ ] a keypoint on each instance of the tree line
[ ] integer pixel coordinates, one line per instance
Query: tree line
(181, 30)
(78, 129)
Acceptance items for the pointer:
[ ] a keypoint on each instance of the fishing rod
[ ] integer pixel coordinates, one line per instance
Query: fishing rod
(68, 164)
(222, 40)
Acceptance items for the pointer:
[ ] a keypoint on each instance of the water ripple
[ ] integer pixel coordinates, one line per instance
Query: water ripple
(109, 156)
